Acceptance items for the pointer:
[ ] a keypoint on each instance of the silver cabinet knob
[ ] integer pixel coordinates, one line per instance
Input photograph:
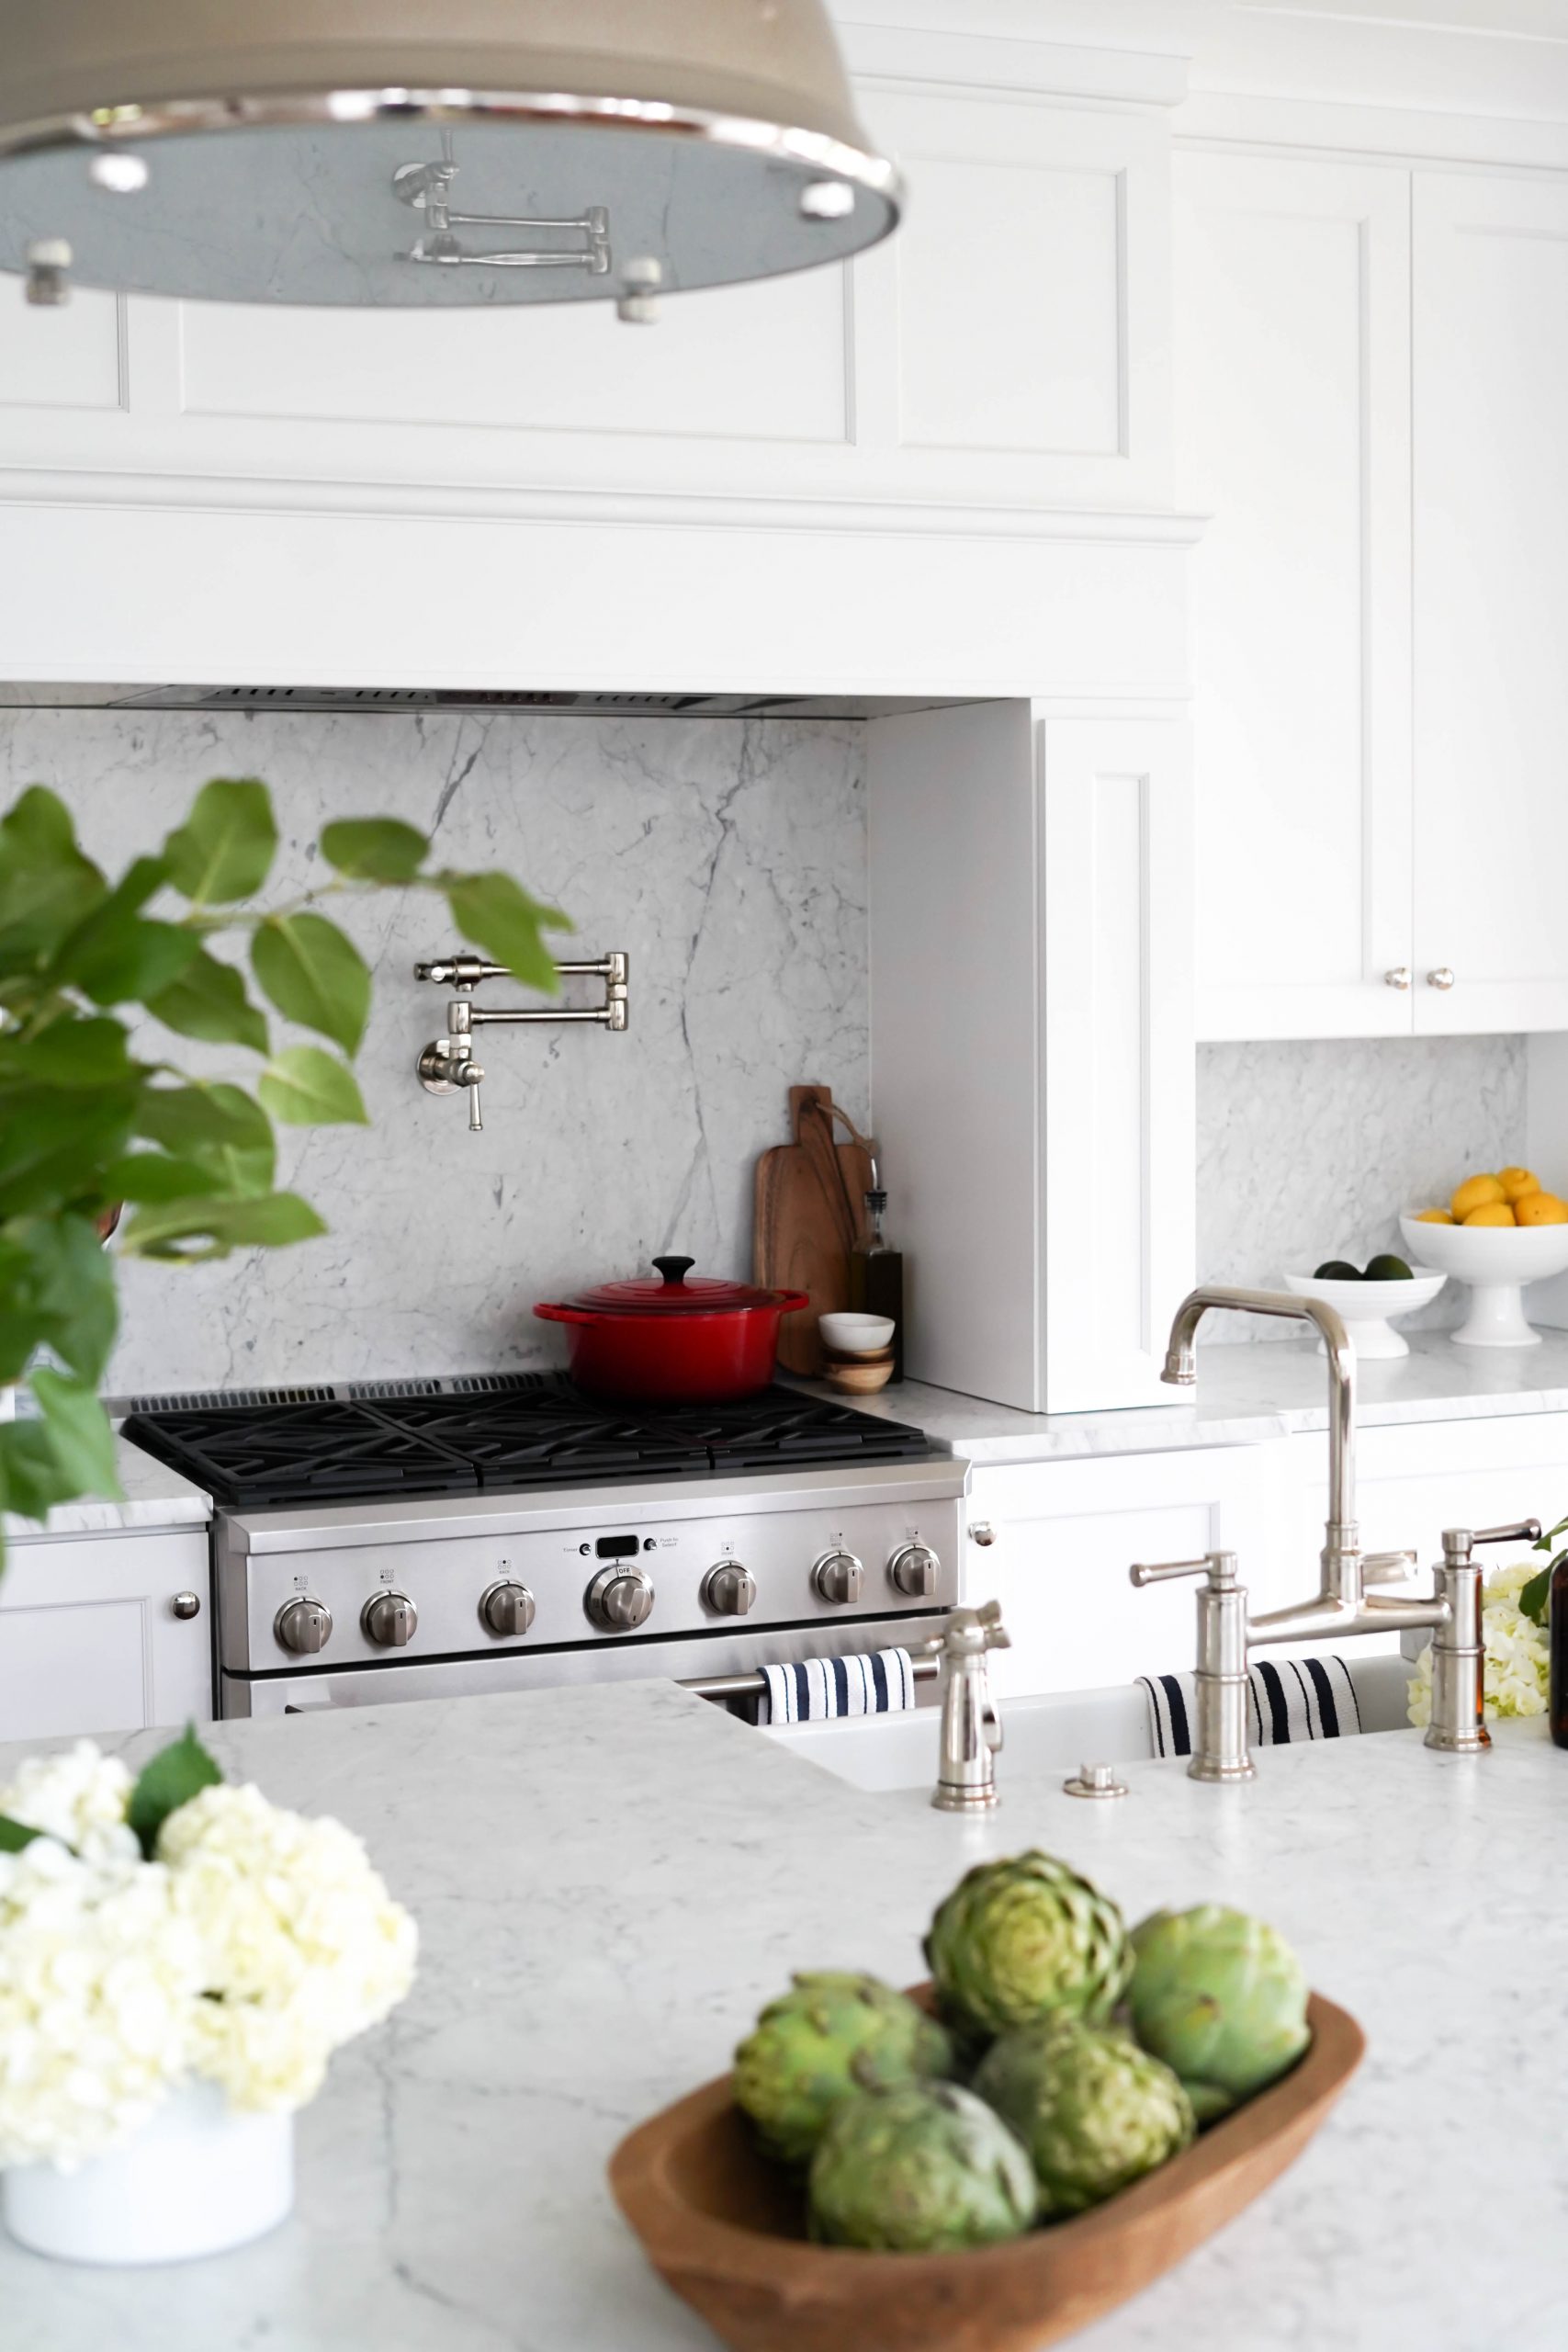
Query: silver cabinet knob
(839, 1577)
(1398, 978)
(389, 1620)
(619, 1599)
(913, 1570)
(186, 1604)
(1441, 979)
(730, 1590)
(507, 1609)
(303, 1625)
(981, 1531)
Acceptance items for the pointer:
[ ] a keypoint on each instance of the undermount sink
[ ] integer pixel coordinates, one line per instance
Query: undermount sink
(1053, 1734)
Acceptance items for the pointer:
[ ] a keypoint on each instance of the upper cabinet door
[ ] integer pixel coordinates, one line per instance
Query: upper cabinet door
(1490, 603)
(1292, 406)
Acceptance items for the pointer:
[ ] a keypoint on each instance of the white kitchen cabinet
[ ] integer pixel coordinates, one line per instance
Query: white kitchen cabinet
(1491, 574)
(1415, 1478)
(89, 1639)
(1030, 982)
(1292, 403)
(1064, 1535)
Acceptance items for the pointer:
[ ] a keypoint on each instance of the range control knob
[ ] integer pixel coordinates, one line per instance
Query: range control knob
(389, 1620)
(839, 1577)
(507, 1608)
(303, 1625)
(729, 1589)
(620, 1599)
(913, 1570)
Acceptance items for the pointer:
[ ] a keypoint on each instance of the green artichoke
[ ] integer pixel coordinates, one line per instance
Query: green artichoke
(1221, 1998)
(1094, 2110)
(926, 2168)
(1021, 1939)
(830, 2034)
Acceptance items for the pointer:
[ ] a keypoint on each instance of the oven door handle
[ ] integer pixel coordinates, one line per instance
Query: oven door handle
(751, 1686)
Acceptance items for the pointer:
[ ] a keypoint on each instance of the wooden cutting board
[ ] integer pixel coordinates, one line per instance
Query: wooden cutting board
(811, 1215)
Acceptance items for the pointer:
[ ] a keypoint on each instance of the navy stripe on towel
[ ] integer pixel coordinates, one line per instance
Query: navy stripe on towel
(1180, 1731)
(1268, 1674)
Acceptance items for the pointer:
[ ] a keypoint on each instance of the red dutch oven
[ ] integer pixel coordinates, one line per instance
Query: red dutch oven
(674, 1341)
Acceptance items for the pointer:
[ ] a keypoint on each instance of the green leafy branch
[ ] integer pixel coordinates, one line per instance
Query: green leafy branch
(89, 1126)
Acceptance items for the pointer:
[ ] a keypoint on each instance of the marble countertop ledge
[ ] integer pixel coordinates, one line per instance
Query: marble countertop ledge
(611, 1881)
(1245, 1395)
(154, 1497)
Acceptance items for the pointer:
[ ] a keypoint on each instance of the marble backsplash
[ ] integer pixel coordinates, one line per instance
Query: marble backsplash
(1307, 1151)
(728, 857)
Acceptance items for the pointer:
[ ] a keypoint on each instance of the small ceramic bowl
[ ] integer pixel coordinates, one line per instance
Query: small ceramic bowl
(856, 1335)
(1364, 1309)
(1497, 1261)
(858, 1376)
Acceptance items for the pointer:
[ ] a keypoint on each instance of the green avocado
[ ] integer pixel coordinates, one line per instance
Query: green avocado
(1387, 1268)
(1339, 1269)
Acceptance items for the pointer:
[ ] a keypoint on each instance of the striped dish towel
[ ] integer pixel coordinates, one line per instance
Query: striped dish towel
(1299, 1698)
(817, 1690)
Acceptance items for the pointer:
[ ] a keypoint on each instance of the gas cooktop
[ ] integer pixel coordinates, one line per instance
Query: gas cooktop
(538, 1433)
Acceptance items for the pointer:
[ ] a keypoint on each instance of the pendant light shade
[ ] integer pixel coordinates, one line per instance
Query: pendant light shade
(386, 152)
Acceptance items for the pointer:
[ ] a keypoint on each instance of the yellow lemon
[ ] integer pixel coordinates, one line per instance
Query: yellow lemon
(1517, 1183)
(1490, 1213)
(1435, 1216)
(1479, 1192)
(1542, 1208)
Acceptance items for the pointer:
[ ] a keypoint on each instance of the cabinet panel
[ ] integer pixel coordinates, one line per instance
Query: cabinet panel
(750, 363)
(1292, 432)
(1491, 594)
(89, 1642)
(65, 358)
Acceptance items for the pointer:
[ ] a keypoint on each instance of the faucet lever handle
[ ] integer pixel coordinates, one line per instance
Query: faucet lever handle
(1386, 1568)
(1218, 1566)
(1523, 1531)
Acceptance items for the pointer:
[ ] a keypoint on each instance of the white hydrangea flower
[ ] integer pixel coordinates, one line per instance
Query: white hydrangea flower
(80, 1797)
(305, 1947)
(1517, 1662)
(98, 1980)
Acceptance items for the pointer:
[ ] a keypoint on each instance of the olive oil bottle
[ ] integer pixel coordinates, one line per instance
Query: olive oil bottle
(877, 1278)
(1557, 1642)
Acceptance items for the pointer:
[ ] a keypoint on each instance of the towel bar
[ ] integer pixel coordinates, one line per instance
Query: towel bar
(751, 1686)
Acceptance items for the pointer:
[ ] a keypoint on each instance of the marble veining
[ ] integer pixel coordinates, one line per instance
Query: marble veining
(598, 1931)
(728, 857)
(1309, 1150)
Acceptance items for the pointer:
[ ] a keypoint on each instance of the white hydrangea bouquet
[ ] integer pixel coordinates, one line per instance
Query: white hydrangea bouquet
(171, 1930)
(1514, 1636)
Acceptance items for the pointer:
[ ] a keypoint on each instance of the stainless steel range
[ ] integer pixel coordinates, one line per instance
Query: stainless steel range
(377, 1540)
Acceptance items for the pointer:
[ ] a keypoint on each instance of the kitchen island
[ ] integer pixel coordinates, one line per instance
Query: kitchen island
(610, 1881)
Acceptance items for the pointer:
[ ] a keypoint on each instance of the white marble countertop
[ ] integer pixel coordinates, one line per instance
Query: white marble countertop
(1245, 1395)
(154, 1497)
(611, 1881)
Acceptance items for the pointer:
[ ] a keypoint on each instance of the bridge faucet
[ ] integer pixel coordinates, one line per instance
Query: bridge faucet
(971, 1725)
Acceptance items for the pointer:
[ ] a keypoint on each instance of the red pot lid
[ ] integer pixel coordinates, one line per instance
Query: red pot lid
(672, 1292)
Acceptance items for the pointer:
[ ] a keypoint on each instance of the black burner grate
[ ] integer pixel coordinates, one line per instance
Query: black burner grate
(389, 1445)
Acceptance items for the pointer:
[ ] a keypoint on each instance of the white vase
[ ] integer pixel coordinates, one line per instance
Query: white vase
(197, 2178)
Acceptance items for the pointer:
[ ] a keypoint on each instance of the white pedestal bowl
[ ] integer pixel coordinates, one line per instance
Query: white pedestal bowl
(1497, 1261)
(1365, 1308)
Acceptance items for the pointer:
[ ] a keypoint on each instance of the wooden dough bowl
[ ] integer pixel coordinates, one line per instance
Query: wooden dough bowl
(726, 2229)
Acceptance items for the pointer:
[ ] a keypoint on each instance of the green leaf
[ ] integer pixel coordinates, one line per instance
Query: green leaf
(15, 1835)
(315, 974)
(47, 887)
(113, 956)
(1535, 1596)
(51, 1145)
(57, 1291)
(175, 1774)
(217, 1126)
(225, 848)
(498, 915)
(33, 1478)
(79, 1432)
(304, 1087)
(263, 1221)
(154, 1176)
(1544, 1542)
(74, 1052)
(374, 849)
(208, 1000)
